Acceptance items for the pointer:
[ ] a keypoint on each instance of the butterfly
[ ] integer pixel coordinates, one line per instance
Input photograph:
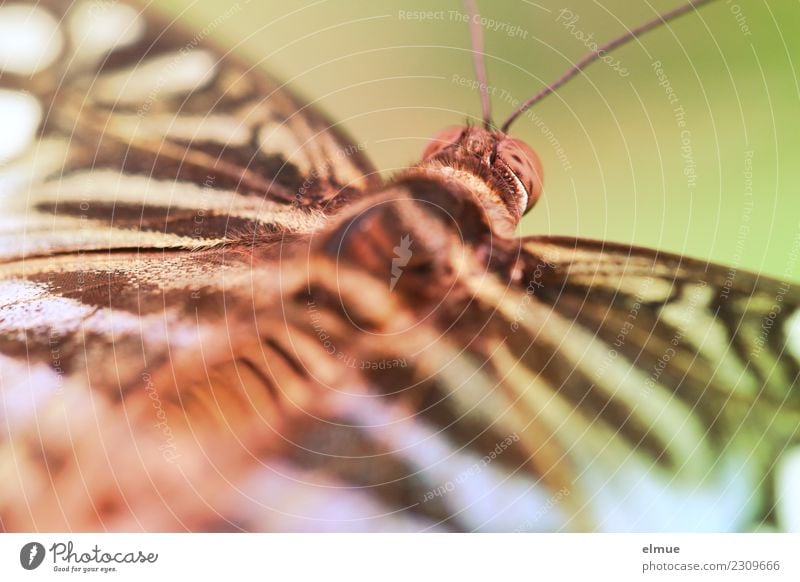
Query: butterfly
(216, 316)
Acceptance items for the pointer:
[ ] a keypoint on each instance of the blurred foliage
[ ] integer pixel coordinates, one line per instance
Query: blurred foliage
(388, 78)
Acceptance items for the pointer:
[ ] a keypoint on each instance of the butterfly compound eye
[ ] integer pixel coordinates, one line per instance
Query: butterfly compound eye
(524, 164)
(442, 140)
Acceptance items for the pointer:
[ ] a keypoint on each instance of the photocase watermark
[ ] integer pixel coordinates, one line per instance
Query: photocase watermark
(740, 17)
(422, 15)
(31, 555)
(100, 6)
(473, 470)
(686, 149)
(86, 231)
(744, 225)
(504, 95)
(569, 20)
(768, 323)
(206, 194)
(357, 363)
(54, 340)
(402, 254)
(169, 449)
(627, 326)
(66, 559)
(554, 500)
(174, 65)
(350, 361)
(687, 317)
(534, 283)
(511, 30)
(203, 204)
(490, 24)
(784, 287)
(300, 197)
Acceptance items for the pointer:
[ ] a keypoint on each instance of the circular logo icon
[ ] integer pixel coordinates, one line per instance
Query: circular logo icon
(31, 555)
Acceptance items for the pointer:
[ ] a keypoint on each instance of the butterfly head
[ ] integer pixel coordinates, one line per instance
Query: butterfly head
(505, 170)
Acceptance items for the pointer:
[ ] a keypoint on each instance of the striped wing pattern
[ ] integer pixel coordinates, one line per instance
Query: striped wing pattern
(149, 138)
(141, 169)
(554, 383)
(214, 317)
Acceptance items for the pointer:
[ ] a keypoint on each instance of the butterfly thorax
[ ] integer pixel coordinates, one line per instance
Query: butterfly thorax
(504, 172)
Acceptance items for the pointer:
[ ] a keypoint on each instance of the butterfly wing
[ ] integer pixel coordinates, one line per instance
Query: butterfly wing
(140, 169)
(155, 139)
(553, 383)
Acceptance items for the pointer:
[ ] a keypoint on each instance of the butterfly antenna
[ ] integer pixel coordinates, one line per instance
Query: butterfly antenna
(478, 61)
(587, 60)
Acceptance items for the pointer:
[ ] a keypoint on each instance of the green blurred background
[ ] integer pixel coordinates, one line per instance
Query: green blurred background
(621, 172)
